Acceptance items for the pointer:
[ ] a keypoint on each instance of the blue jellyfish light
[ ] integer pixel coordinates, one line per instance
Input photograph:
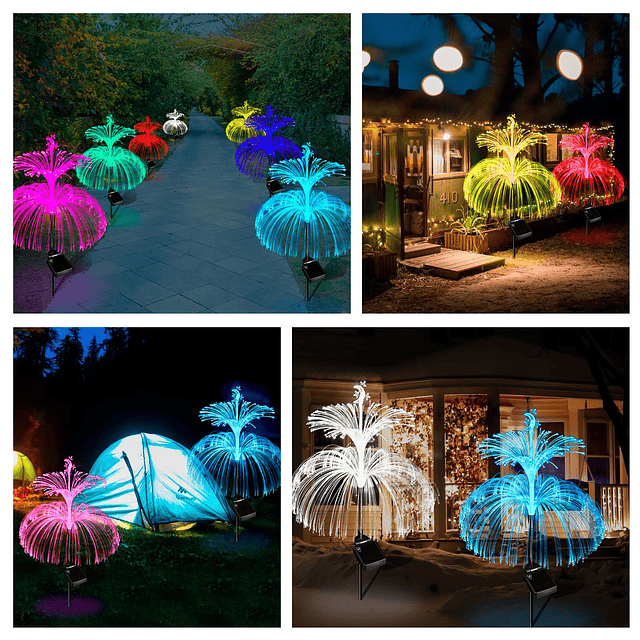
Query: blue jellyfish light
(243, 464)
(256, 154)
(541, 511)
(321, 219)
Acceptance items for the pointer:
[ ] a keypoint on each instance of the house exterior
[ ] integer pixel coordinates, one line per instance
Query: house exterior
(460, 394)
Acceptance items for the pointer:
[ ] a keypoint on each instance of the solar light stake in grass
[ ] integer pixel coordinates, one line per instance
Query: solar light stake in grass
(243, 464)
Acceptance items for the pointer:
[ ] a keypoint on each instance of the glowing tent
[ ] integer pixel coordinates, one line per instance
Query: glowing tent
(148, 484)
(23, 470)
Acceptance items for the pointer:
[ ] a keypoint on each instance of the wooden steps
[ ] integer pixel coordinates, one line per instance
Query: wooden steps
(417, 249)
(453, 264)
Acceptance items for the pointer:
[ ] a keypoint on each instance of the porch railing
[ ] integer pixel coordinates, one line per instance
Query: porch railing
(614, 502)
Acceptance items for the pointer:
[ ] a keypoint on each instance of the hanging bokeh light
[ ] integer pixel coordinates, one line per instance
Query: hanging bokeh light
(569, 64)
(432, 85)
(47, 215)
(66, 532)
(447, 58)
(366, 58)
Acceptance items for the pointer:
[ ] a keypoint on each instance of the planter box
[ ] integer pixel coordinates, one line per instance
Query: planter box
(380, 265)
(466, 242)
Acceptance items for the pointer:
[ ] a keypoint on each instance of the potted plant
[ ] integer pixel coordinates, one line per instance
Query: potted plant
(467, 234)
(378, 261)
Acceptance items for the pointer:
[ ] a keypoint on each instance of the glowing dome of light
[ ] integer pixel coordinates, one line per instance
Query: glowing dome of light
(447, 58)
(366, 58)
(569, 64)
(237, 130)
(174, 126)
(147, 145)
(432, 85)
(67, 532)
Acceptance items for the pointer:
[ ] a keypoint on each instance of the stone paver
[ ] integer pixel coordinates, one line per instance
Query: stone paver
(183, 242)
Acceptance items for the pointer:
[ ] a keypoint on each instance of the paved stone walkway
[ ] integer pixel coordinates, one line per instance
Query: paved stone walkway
(183, 242)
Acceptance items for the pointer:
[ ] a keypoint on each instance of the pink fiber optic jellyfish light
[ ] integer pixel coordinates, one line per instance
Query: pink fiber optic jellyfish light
(67, 532)
(586, 178)
(147, 145)
(48, 215)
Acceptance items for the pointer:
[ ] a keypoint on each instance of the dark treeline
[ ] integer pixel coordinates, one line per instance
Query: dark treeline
(75, 400)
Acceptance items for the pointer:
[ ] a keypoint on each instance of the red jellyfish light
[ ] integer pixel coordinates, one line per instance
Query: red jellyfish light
(148, 145)
(586, 178)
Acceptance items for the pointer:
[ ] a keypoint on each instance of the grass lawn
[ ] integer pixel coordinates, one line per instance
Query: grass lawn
(193, 578)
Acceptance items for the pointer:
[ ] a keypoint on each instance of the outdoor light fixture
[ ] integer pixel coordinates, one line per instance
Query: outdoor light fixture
(115, 199)
(569, 64)
(58, 264)
(313, 272)
(445, 134)
(369, 555)
(432, 85)
(366, 58)
(75, 577)
(520, 230)
(151, 165)
(274, 186)
(592, 215)
(541, 585)
(447, 58)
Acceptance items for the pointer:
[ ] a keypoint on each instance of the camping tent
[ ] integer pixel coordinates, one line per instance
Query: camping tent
(23, 470)
(148, 484)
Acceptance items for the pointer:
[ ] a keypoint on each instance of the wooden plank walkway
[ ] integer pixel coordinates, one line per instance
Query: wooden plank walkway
(454, 264)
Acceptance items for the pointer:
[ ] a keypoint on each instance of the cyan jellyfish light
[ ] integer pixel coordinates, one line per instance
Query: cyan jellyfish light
(111, 166)
(237, 130)
(256, 154)
(147, 145)
(586, 178)
(243, 464)
(506, 185)
(174, 126)
(68, 532)
(541, 511)
(302, 221)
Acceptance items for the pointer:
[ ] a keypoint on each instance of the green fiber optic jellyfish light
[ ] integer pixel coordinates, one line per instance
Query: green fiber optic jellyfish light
(111, 166)
(303, 221)
(237, 130)
(174, 126)
(243, 464)
(542, 512)
(506, 185)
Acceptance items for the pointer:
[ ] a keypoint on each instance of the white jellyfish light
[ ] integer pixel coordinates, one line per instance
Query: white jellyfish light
(327, 483)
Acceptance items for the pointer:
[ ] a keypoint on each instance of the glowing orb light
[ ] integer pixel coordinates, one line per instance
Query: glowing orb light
(255, 155)
(366, 58)
(23, 469)
(66, 532)
(447, 58)
(322, 219)
(148, 145)
(327, 483)
(243, 464)
(585, 178)
(528, 507)
(432, 85)
(505, 184)
(47, 215)
(111, 166)
(569, 64)
(237, 130)
(173, 126)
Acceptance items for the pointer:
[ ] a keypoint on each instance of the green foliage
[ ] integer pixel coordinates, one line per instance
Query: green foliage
(472, 222)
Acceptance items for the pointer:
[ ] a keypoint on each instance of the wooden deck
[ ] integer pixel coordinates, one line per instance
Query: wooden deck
(453, 264)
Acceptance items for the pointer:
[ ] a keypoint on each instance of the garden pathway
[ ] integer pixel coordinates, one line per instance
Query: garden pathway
(183, 242)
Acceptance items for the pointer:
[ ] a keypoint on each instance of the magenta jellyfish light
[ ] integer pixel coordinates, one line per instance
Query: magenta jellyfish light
(111, 166)
(255, 155)
(586, 178)
(147, 145)
(67, 532)
(48, 215)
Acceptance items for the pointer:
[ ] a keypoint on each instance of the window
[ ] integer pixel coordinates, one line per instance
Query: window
(448, 156)
(367, 152)
(390, 142)
(598, 452)
(556, 466)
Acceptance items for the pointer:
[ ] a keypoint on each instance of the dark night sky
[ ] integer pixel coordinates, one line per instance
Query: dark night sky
(412, 40)
(176, 373)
